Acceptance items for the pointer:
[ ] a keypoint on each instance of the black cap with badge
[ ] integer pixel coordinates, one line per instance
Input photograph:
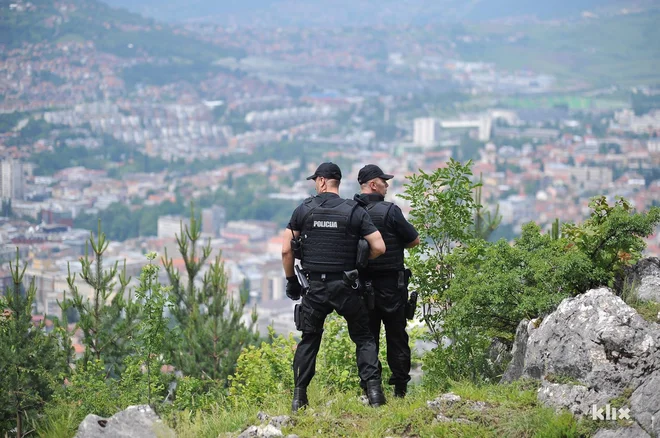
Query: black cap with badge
(327, 170)
(371, 171)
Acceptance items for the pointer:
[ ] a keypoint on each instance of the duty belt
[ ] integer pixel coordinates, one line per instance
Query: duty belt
(328, 276)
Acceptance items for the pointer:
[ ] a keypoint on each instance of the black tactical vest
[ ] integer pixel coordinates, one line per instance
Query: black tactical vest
(392, 260)
(328, 243)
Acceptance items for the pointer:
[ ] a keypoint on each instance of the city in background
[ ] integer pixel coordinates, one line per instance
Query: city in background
(105, 114)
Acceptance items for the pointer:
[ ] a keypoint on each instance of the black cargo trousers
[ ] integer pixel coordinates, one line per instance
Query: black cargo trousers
(389, 310)
(324, 297)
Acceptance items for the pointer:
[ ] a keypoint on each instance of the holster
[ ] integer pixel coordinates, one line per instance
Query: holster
(302, 279)
(410, 303)
(362, 259)
(297, 316)
(369, 295)
(411, 306)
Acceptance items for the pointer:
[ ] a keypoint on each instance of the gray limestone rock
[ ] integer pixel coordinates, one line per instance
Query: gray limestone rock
(645, 404)
(133, 422)
(633, 431)
(440, 418)
(596, 339)
(515, 369)
(645, 278)
(267, 431)
(577, 399)
(280, 421)
(601, 348)
(445, 400)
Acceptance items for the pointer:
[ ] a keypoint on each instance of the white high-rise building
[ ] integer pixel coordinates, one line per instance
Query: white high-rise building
(170, 226)
(11, 179)
(424, 133)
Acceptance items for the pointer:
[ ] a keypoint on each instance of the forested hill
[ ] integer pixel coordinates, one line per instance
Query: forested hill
(363, 12)
(112, 30)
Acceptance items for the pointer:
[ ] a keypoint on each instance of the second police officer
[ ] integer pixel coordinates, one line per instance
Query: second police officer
(387, 274)
(329, 228)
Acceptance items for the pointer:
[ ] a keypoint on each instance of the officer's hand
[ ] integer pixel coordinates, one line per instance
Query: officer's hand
(293, 288)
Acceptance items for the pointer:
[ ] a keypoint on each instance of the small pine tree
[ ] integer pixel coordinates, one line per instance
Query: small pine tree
(107, 322)
(554, 232)
(212, 333)
(153, 328)
(30, 358)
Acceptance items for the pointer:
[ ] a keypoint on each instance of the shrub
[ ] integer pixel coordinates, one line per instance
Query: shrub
(443, 208)
(265, 372)
(496, 285)
(193, 394)
(30, 358)
(90, 391)
(612, 237)
(474, 292)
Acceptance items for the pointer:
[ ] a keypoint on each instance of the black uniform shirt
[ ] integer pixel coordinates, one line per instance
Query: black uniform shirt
(361, 223)
(403, 229)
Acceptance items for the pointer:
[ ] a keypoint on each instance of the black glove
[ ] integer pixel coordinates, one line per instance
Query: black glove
(293, 288)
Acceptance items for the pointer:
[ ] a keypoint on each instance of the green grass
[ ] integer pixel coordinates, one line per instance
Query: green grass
(649, 310)
(510, 411)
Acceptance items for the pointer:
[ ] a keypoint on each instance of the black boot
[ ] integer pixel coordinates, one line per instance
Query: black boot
(400, 389)
(299, 399)
(375, 393)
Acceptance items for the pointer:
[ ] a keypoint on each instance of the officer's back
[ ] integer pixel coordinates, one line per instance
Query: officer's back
(328, 229)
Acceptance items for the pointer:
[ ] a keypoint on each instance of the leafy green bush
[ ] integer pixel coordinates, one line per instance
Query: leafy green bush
(612, 237)
(336, 367)
(152, 329)
(90, 391)
(264, 371)
(197, 395)
(497, 285)
(474, 292)
(443, 208)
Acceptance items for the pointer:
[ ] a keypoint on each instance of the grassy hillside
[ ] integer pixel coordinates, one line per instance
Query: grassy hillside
(113, 31)
(352, 12)
(619, 49)
(510, 411)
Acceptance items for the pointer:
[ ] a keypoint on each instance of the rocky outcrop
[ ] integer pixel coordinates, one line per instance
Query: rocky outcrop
(633, 431)
(515, 368)
(133, 422)
(592, 349)
(644, 279)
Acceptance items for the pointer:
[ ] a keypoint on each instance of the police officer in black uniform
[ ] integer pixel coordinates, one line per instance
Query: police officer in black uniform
(329, 228)
(387, 274)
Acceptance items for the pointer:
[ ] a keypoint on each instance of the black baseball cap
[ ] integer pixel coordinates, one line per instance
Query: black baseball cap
(327, 170)
(371, 171)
